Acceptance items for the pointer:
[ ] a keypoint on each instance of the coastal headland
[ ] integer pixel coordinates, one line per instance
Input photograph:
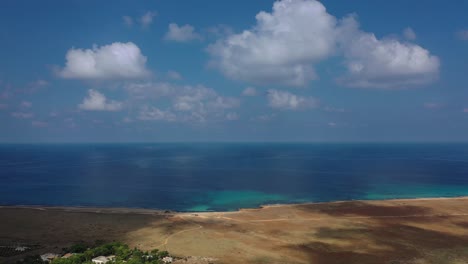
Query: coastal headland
(414, 231)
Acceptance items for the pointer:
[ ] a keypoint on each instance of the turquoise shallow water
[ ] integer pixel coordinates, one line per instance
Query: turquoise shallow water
(236, 199)
(420, 191)
(219, 177)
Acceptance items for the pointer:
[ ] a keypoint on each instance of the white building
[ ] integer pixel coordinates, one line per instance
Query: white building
(100, 260)
(49, 257)
(167, 260)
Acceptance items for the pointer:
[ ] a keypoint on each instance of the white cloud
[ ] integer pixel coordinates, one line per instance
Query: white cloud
(409, 33)
(147, 18)
(96, 101)
(284, 45)
(155, 114)
(281, 47)
(150, 90)
(190, 98)
(115, 61)
(173, 75)
(289, 101)
(463, 34)
(249, 91)
(183, 33)
(384, 63)
(128, 21)
(200, 104)
(186, 103)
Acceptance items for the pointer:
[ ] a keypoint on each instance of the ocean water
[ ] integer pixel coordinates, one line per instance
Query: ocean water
(219, 176)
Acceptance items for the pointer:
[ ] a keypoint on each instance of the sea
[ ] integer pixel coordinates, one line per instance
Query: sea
(197, 177)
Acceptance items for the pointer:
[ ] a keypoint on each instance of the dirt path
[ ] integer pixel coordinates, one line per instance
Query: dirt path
(221, 216)
(164, 244)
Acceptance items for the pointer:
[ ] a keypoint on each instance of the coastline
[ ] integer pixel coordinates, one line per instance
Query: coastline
(86, 209)
(150, 211)
(355, 231)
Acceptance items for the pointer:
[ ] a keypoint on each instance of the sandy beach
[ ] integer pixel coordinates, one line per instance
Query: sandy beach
(392, 231)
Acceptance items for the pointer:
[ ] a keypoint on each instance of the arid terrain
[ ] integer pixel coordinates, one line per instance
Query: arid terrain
(415, 231)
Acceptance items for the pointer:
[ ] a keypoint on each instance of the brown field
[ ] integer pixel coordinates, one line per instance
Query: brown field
(419, 231)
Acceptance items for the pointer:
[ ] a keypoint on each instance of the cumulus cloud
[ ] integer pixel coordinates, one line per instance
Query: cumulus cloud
(383, 63)
(249, 91)
(280, 47)
(289, 101)
(147, 18)
(151, 90)
(409, 33)
(155, 114)
(191, 98)
(115, 61)
(186, 103)
(183, 33)
(96, 101)
(285, 44)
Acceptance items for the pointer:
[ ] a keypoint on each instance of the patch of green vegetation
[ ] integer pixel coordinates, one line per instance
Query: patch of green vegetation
(83, 254)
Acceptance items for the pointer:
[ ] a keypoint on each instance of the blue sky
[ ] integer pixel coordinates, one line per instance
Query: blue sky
(290, 70)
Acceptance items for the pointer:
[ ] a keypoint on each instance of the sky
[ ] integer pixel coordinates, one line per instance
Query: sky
(240, 71)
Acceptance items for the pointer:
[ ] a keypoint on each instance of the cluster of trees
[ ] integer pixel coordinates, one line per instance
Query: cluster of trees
(83, 254)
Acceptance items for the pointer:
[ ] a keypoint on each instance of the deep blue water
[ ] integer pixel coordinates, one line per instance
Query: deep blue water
(218, 176)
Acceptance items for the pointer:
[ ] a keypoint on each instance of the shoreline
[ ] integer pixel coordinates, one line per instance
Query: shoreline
(149, 211)
(300, 233)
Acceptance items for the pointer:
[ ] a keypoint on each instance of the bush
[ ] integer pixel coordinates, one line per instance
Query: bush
(78, 248)
(123, 254)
